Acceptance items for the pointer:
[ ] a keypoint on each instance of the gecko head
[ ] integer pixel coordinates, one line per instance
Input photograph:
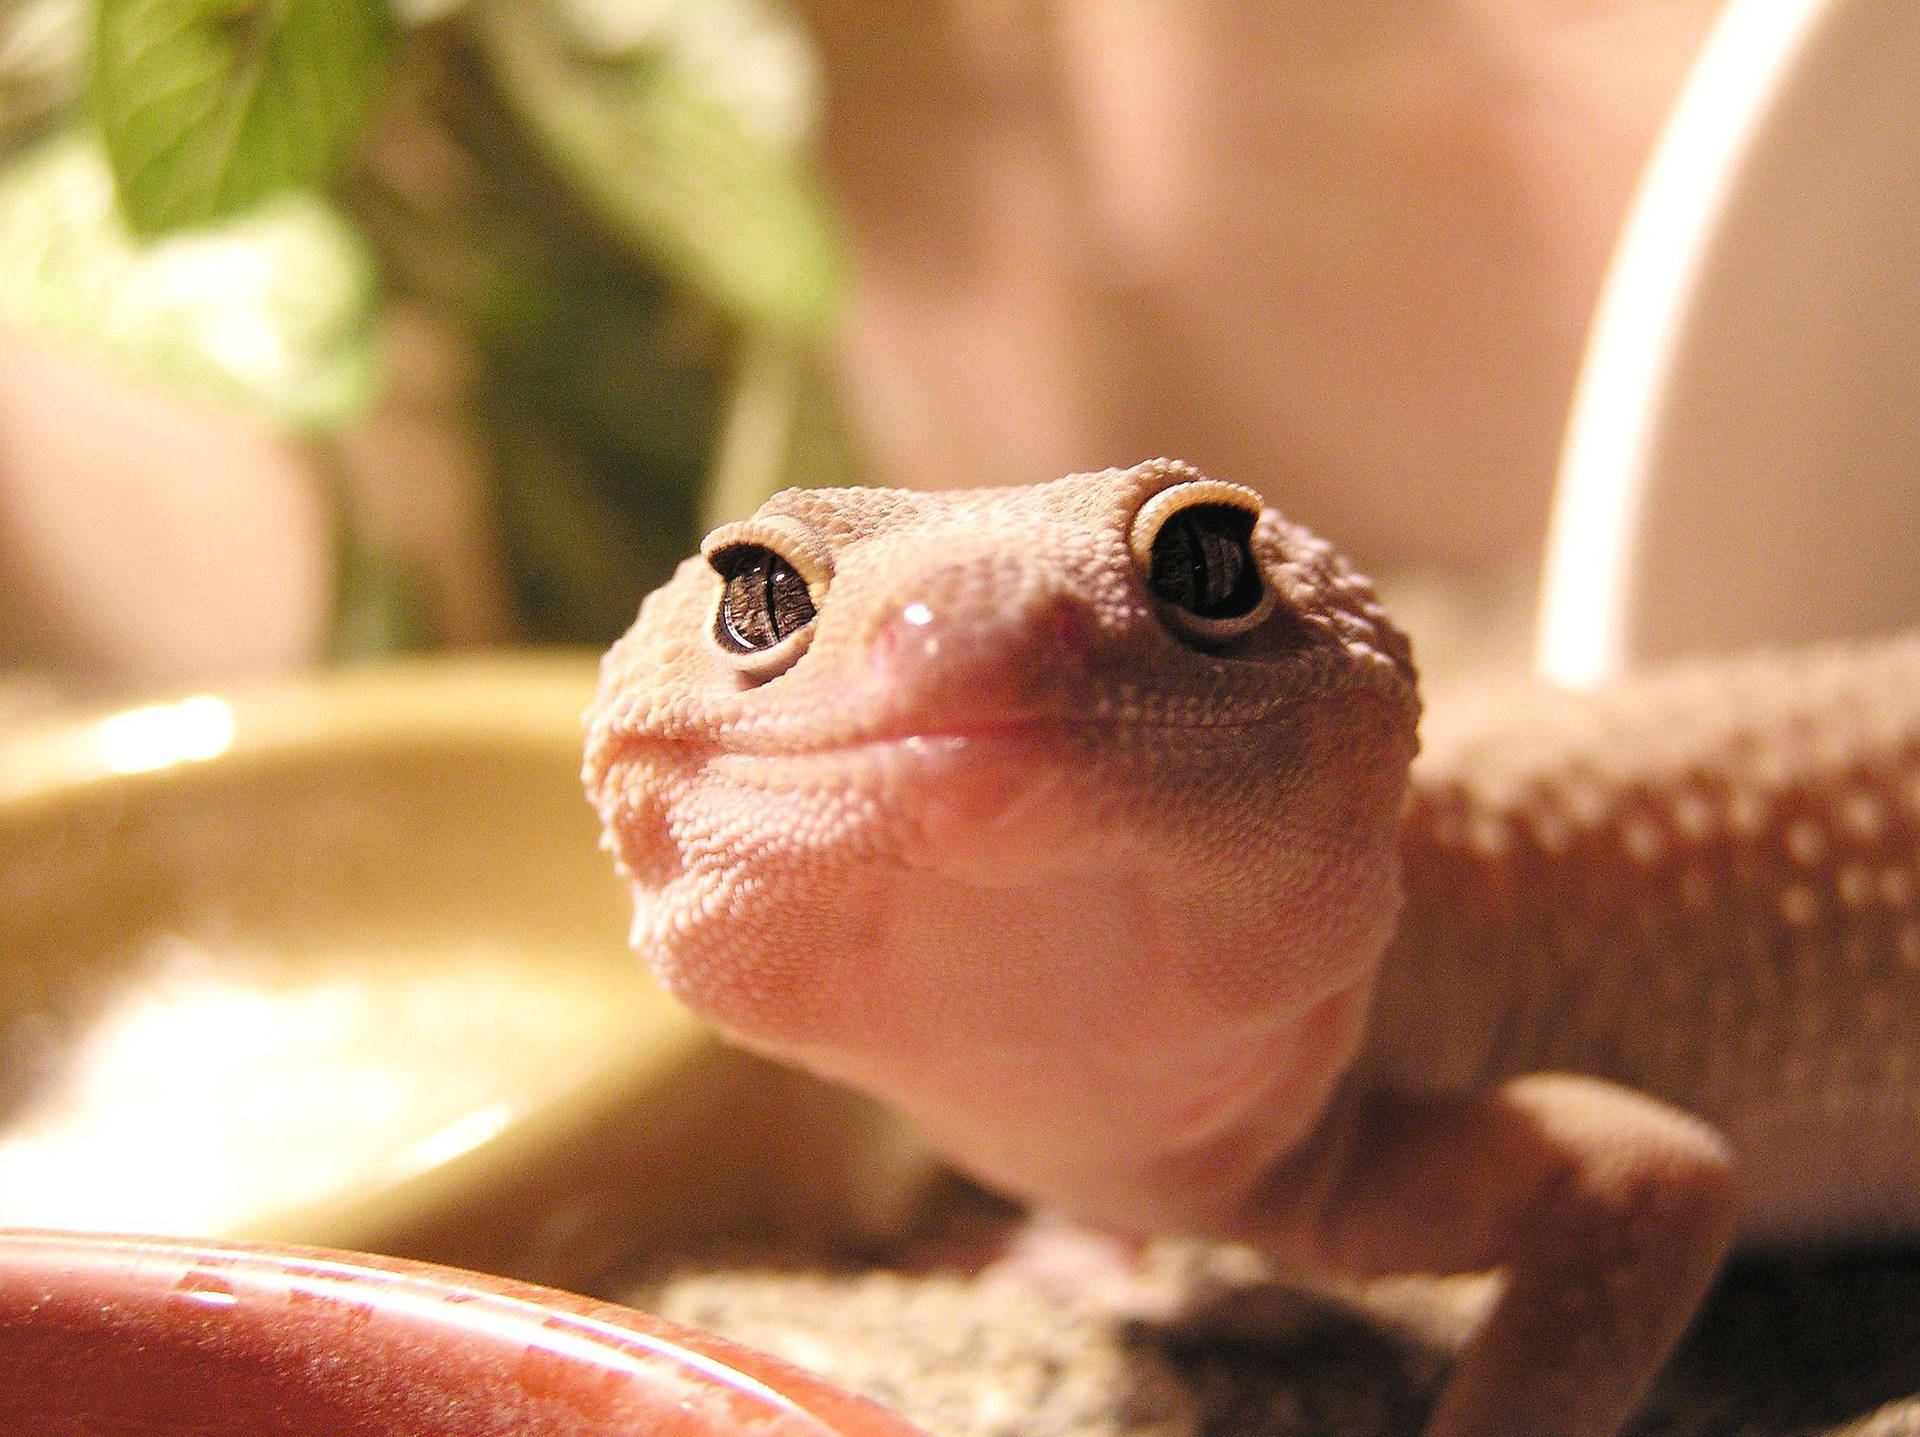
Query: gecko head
(883, 764)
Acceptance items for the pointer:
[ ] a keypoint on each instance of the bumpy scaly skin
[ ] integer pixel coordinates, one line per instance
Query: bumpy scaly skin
(1113, 916)
(1701, 884)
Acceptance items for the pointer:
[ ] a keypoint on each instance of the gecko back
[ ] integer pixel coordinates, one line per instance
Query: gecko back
(1702, 884)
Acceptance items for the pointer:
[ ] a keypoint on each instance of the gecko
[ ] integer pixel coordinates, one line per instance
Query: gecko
(1095, 827)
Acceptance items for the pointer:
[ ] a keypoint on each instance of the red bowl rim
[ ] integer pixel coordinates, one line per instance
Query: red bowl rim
(601, 1337)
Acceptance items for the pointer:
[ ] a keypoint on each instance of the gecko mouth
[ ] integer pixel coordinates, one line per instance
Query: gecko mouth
(1012, 735)
(977, 769)
(989, 803)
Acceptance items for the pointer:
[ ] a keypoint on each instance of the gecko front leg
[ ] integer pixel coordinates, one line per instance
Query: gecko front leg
(1606, 1212)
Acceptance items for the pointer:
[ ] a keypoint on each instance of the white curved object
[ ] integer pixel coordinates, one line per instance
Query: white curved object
(1742, 464)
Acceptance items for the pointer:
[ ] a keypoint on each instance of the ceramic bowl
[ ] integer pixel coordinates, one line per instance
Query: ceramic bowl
(339, 962)
(154, 1338)
(1739, 467)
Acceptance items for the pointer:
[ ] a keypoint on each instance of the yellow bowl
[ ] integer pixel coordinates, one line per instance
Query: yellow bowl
(338, 962)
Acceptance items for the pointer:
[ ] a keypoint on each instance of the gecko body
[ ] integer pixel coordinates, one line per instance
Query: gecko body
(1700, 884)
(1083, 823)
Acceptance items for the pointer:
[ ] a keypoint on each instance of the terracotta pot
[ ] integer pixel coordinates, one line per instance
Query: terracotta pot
(147, 1337)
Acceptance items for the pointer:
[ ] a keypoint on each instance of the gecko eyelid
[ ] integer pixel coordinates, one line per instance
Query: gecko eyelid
(1193, 544)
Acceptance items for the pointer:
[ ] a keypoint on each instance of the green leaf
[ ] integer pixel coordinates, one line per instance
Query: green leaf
(210, 106)
(755, 55)
(674, 170)
(275, 311)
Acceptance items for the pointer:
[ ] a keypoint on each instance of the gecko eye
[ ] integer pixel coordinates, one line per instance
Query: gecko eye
(1194, 543)
(774, 572)
(763, 601)
(1203, 563)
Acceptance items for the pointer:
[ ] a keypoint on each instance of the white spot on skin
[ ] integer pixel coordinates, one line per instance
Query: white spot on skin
(1896, 887)
(1644, 841)
(1747, 812)
(1799, 906)
(1862, 816)
(1854, 884)
(1488, 836)
(1692, 816)
(1908, 946)
(1551, 832)
(1774, 768)
(1585, 802)
(1806, 844)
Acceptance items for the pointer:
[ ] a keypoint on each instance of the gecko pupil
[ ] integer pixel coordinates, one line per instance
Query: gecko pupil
(763, 599)
(1203, 562)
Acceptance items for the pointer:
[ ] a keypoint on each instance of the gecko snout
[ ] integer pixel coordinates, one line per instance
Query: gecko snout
(983, 638)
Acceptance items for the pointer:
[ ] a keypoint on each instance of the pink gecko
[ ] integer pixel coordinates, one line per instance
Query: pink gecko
(1077, 822)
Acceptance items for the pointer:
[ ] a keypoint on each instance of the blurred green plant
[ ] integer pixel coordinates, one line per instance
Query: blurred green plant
(207, 107)
(274, 309)
(610, 201)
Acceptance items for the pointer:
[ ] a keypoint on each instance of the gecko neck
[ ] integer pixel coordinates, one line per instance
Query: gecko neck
(1154, 1099)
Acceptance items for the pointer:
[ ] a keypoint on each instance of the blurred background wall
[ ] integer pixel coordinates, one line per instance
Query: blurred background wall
(347, 328)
